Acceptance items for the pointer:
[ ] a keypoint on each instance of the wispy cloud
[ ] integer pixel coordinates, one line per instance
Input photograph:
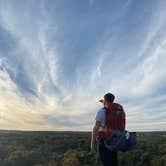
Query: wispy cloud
(58, 58)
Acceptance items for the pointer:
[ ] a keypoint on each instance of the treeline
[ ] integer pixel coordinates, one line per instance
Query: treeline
(73, 149)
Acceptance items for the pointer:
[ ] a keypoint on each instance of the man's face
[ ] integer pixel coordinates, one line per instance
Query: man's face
(106, 103)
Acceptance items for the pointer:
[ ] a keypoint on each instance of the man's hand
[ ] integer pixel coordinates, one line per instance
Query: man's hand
(94, 142)
(101, 101)
(94, 147)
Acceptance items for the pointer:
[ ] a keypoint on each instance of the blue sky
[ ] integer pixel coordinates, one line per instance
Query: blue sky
(58, 58)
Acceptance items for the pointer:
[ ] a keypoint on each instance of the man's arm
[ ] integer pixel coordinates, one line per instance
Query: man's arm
(94, 135)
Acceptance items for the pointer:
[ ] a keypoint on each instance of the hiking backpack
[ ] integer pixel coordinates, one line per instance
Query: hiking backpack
(116, 138)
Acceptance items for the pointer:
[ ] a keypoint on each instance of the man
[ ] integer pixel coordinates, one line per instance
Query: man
(107, 120)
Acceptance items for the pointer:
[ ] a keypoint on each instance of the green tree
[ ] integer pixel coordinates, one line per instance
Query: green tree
(70, 158)
(145, 158)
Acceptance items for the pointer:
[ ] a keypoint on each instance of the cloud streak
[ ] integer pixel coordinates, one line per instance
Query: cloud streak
(58, 58)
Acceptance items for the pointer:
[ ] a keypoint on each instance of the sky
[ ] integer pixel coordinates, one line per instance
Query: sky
(59, 57)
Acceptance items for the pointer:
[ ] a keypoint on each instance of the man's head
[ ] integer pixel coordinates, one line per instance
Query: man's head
(108, 99)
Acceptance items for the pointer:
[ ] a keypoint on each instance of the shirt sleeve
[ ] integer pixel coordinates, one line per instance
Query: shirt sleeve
(100, 116)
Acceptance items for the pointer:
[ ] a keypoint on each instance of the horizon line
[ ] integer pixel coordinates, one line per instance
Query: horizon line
(74, 130)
